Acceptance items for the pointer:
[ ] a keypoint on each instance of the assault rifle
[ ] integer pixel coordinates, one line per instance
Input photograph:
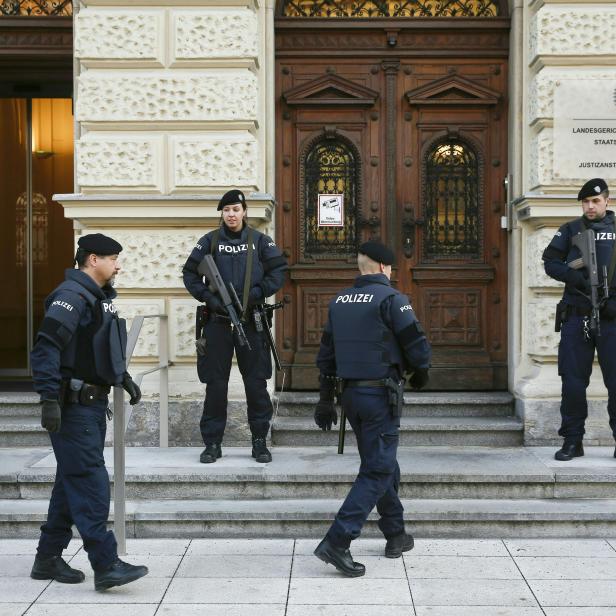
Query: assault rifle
(585, 242)
(262, 315)
(208, 268)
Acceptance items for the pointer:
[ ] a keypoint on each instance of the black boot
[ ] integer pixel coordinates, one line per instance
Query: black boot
(118, 574)
(569, 450)
(398, 544)
(211, 453)
(339, 557)
(260, 452)
(55, 568)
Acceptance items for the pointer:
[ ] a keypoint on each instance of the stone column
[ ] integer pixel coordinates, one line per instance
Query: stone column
(563, 41)
(171, 110)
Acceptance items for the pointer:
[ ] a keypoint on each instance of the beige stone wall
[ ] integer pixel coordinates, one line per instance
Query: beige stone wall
(562, 41)
(172, 109)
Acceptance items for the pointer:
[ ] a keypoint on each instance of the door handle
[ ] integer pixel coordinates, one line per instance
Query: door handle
(409, 223)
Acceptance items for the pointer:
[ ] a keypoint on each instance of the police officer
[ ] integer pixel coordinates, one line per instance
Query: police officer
(371, 338)
(577, 343)
(78, 354)
(255, 266)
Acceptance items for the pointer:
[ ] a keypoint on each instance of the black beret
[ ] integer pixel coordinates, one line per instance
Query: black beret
(592, 188)
(231, 197)
(377, 252)
(99, 244)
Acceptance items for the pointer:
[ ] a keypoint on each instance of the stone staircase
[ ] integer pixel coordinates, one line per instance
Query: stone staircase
(464, 471)
(467, 418)
(464, 418)
(20, 420)
(446, 491)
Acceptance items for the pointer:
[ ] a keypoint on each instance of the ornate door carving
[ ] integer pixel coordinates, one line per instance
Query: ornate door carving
(408, 122)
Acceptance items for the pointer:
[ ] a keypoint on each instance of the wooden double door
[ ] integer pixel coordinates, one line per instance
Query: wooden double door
(405, 131)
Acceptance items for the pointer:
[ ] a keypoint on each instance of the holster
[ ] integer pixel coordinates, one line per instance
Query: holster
(75, 391)
(562, 313)
(202, 316)
(395, 392)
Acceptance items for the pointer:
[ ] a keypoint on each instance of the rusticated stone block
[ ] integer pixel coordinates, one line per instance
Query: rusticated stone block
(541, 339)
(207, 96)
(535, 273)
(119, 161)
(119, 35)
(557, 30)
(215, 161)
(182, 328)
(147, 344)
(215, 33)
(153, 258)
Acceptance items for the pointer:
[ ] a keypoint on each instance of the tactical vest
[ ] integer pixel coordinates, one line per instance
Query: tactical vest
(97, 352)
(365, 347)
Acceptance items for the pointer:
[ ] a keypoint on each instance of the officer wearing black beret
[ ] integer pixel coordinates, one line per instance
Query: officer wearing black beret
(578, 343)
(79, 353)
(371, 364)
(255, 266)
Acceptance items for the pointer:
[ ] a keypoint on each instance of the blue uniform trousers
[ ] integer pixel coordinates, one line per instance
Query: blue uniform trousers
(575, 360)
(80, 494)
(377, 434)
(214, 368)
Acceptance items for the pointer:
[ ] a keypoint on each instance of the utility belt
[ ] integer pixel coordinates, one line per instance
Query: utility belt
(564, 311)
(395, 391)
(76, 391)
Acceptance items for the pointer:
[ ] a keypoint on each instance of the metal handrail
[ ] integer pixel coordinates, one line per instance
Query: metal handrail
(122, 414)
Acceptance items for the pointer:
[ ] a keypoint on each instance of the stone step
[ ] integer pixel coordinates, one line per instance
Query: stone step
(310, 518)
(19, 404)
(464, 431)
(23, 431)
(416, 404)
(316, 473)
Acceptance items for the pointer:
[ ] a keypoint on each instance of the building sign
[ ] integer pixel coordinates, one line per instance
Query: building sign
(331, 210)
(585, 129)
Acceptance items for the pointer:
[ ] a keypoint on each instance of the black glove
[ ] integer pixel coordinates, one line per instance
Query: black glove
(51, 415)
(609, 310)
(578, 279)
(419, 379)
(325, 413)
(131, 388)
(255, 296)
(215, 305)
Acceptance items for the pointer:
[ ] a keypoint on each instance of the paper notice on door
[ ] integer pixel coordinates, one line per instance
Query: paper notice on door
(331, 210)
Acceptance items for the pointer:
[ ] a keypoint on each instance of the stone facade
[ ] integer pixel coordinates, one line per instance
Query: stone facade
(558, 47)
(172, 109)
(176, 104)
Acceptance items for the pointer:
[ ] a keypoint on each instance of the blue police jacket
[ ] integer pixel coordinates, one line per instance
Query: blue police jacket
(80, 337)
(560, 251)
(372, 333)
(268, 264)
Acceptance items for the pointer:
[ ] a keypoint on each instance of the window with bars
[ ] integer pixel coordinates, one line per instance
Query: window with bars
(390, 8)
(451, 201)
(330, 166)
(36, 8)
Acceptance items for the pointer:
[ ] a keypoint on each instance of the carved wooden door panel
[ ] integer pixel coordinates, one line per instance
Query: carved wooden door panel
(329, 143)
(454, 252)
(408, 123)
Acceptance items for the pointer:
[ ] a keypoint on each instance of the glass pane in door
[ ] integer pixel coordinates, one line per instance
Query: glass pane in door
(13, 232)
(52, 172)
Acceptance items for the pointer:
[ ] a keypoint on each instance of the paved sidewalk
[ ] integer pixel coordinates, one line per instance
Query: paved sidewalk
(281, 577)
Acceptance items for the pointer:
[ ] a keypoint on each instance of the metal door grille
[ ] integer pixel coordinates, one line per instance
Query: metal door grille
(452, 201)
(330, 167)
